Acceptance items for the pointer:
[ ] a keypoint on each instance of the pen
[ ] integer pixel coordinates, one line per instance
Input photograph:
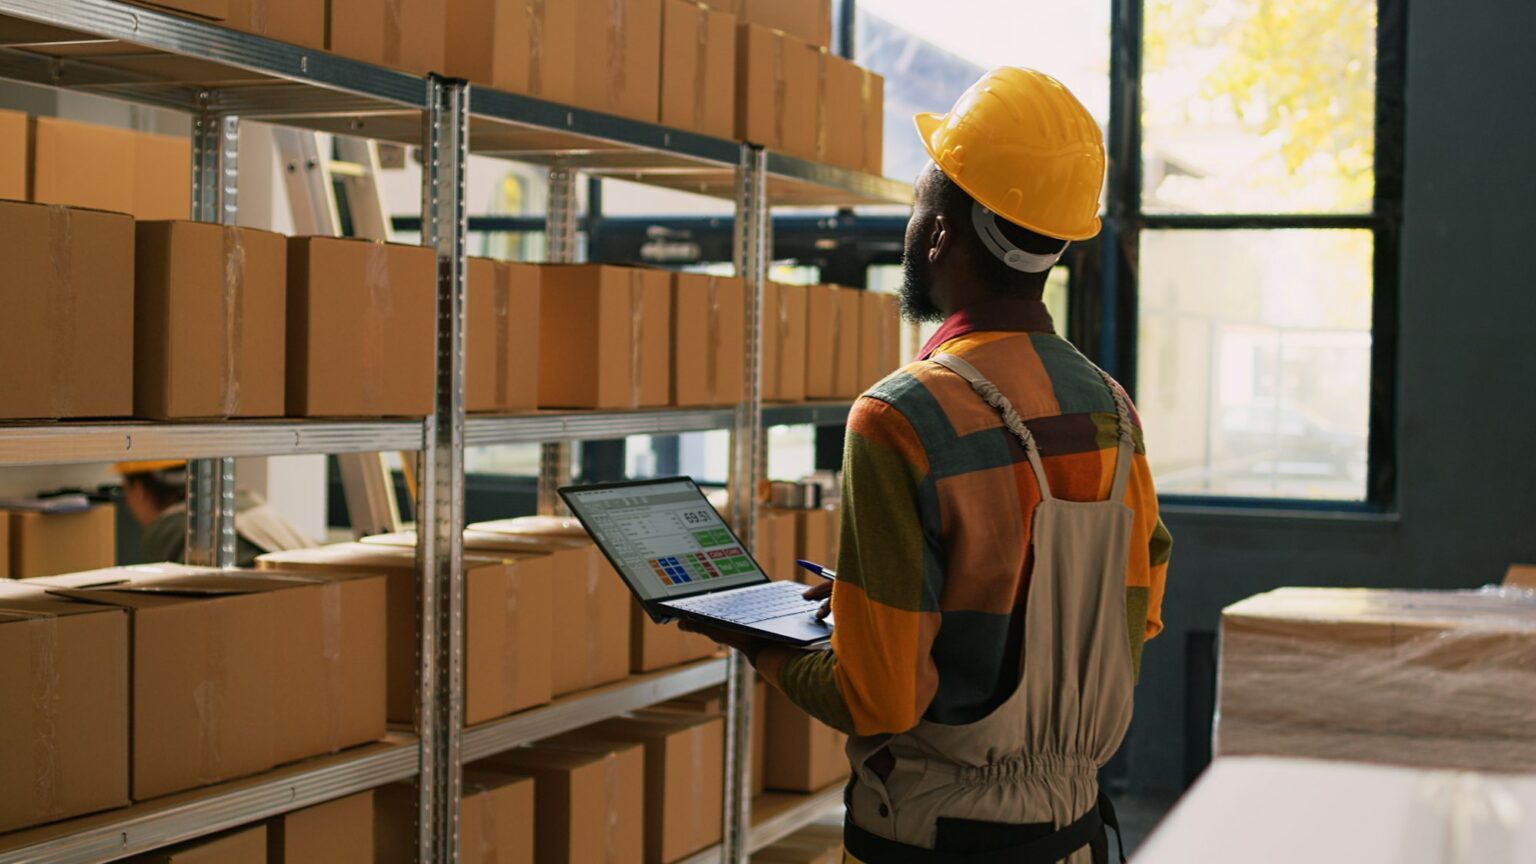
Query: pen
(816, 568)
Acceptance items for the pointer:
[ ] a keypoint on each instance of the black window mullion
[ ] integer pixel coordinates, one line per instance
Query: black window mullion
(1387, 202)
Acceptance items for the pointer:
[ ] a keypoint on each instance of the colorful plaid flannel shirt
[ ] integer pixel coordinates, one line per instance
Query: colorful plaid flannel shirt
(937, 500)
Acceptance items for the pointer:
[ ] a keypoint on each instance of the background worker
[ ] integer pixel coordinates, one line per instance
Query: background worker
(156, 494)
(1002, 559)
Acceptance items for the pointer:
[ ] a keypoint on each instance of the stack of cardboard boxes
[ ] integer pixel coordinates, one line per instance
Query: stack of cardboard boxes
(42, 543)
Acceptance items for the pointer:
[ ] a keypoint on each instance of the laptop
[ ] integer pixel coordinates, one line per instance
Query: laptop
(681, 560)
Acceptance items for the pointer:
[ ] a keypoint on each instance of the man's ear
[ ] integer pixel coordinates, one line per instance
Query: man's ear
(939, 238)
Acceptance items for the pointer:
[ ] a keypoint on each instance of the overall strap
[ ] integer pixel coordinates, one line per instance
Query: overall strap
(1123, 429)
(1011, 419)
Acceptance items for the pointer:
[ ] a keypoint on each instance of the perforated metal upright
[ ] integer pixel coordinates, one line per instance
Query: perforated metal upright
(560, 248)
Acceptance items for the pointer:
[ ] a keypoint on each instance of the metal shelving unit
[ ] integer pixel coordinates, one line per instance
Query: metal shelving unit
(219, 76)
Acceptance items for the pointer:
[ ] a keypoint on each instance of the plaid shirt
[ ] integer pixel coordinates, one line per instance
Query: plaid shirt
(935, 558)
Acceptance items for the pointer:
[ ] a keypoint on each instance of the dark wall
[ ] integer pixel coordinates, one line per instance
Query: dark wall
(1466, 382)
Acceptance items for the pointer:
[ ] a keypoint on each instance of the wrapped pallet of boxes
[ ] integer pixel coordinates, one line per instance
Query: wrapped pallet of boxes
(776, 90)
(145, 175)
(698, 68)
(241, 846)
(832, 342)
(64, 719)
(589, 798)
(297, 22)
(622, 72)
(501, 339)
(361, 328)
(802, 754)
(1420, 678)
(652, 646)
(879, 338)
(784, 342)
(520, 46)
(15, 155)
(506, 624)
(409, 35)
(496, 820)
(708, 323)
(684, 778)
(44, 543)
(606, 337)
(210, 321)
(336, 832)
(66, 338)
(589, 632)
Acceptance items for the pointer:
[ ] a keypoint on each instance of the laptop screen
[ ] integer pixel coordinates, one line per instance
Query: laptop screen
(664, 538)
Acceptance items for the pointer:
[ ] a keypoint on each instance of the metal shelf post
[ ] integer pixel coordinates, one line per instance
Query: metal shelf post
(560, 248)
(441, 491)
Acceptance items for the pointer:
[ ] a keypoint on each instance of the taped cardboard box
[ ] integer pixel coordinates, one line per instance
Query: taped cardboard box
(297, 22)
(832, 342)
(1422, 678)
(813, 844)
(708, 323)
(64, 721)
(84, 165)
(361, 328)
(243, 846)
(590, 618)
(214, 10)
(712, 702)
(506, 625)
(588, 799)
(47, 544)
(501, 343)
(67, 290)
(336, 832)
(807, 20)
(15, 155)
(840, 101)
(210, 320)
(775, 84)
(874, 123)
(879, 338)
(775, 549)
(622, 39)
(521, 46)
(496, 821)
(698, 68)
(607, 337)
(784, 342)
(817, 533)
(802, 754)
(162, 177)
(409, 35)
(684, 778)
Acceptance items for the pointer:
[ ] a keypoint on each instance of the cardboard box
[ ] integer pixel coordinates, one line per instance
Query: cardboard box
(214, 10)
(698, 68)
(5, 547)
(362, 328)
(832, 342)
(1443, 679)
(515, 45)
(845, 354)
(817, 534)
(874, 123)
(162, 177)
(879, 338)
(506, 625)
(64, 721)
(684, 778)
(775, 549)
(244, 846)
(501, 343)
(606, 337)
(47, 544)
(410, 35)
(813, 844)
(802, 754)
(588, 799)
(621, 41)
(775, 84)
(496, 819)
(712, 702)
(336, 832)
(209, 321)
(840, 100)
(297, 22)
(1521, 576)
(84, 165)
(708, 323)
(784, 342)
(15, 155)
(65, 338)
(807, 20)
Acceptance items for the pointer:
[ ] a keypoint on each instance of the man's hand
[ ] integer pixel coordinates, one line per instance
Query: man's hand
(821, 591)
(743, 642)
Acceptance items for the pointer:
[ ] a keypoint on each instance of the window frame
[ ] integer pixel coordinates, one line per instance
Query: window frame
(1114, 308)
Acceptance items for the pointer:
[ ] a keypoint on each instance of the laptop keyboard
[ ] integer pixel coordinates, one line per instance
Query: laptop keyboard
(750, 605)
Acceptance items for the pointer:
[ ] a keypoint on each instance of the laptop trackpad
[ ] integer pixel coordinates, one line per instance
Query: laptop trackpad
(798, 628)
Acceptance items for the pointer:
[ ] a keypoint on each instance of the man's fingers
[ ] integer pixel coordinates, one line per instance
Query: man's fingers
(819, 591)
(825, 610)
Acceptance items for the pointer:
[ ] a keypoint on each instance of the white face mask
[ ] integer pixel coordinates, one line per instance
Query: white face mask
(999, 245)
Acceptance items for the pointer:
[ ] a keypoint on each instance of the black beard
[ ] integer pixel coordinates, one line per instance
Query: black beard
(917, 304)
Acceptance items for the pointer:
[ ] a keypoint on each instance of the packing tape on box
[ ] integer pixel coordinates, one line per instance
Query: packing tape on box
(61, 308)
(595, 633)
(330, 651)
(780, 91)
(782, 293)
(617, 34)
(700, 63)
(234, 317)
(837, 341)
(488, 833)
(712, 344)
(696, 742)
(611, 826)
(511, 661)
(636, 335)
(208, 697)
(43, 652)
(261, 15)
(503, 301)
(392, 34)
(820, 105)
(535, 10)
(867, 86)
(376, 285)
(1467, 818)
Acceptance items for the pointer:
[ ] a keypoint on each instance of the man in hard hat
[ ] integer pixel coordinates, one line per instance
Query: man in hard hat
(1002, 559)
(155, 492)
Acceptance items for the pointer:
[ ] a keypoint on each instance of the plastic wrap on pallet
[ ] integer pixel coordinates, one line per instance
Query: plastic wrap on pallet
(1439, 679)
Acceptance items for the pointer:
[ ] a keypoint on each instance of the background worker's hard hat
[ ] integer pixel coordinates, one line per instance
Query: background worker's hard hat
(153, 466)
(1021, 144)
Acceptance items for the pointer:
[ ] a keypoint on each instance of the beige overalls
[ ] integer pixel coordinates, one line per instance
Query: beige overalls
(1035, 758)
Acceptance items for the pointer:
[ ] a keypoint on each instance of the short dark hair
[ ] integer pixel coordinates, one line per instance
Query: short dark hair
(955, 203)
(162, 493)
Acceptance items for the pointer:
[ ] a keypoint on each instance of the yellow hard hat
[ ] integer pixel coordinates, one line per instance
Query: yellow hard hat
(150, 466)
(1022, 145)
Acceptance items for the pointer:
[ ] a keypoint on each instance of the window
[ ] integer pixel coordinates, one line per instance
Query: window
(1262, 219)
